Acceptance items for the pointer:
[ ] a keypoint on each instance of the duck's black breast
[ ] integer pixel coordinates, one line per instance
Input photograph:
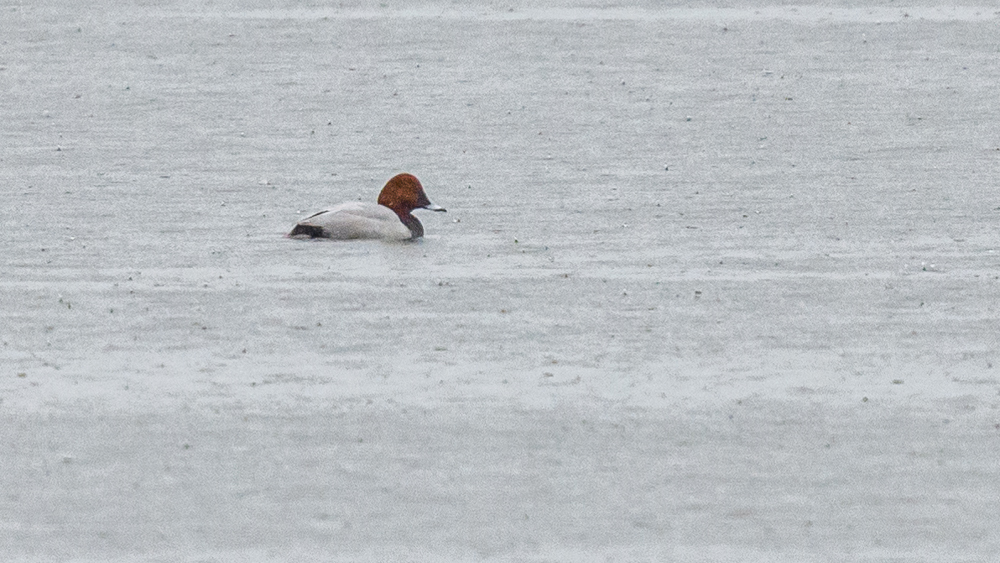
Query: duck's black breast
(412, 223)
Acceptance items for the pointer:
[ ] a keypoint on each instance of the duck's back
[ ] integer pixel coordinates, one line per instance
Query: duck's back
(353, 220)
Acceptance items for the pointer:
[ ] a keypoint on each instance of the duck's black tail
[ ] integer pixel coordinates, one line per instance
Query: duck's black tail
(310, 231)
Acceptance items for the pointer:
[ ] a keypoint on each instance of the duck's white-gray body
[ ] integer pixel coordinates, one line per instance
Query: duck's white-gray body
(357, 220)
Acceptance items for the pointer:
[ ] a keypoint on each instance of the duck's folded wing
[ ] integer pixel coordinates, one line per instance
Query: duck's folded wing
(354, 220)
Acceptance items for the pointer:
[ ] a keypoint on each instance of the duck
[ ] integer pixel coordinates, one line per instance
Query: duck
(389, 219)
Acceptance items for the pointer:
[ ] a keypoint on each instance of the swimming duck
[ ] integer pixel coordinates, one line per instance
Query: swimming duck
(390, 218)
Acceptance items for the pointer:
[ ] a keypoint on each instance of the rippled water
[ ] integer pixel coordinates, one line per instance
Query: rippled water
(655, 216)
